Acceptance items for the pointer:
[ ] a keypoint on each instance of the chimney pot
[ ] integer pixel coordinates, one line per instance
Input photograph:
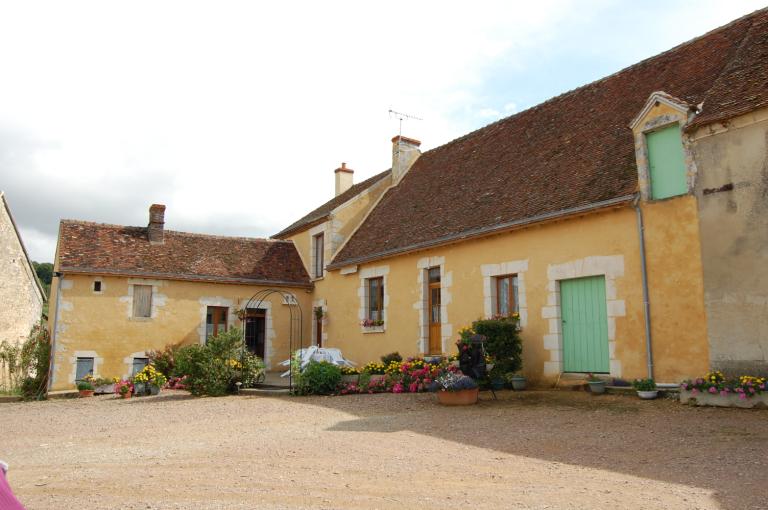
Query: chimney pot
(156, 227)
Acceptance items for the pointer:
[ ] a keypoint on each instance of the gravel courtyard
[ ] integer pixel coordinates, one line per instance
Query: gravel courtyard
(527, 450)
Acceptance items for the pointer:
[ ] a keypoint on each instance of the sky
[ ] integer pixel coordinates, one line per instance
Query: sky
(235, 114)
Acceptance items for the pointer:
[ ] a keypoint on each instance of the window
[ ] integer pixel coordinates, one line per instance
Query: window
(506, 295)
(216, 320)
(666, 162)
(97, 286)
(376, 299)
(142, 301)
(84, 367)
(318, 243)
(138, 365)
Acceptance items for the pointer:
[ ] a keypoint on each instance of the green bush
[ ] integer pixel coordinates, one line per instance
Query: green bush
(389, 358)
(502, 343)
(318, 378)
(164, 360)
(214, 368)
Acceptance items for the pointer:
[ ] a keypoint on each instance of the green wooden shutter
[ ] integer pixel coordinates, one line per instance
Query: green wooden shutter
(585, 325)
(666, 162)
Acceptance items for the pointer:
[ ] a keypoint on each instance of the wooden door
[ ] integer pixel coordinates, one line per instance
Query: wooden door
(433, 310)
(255, 331)
(585, 325)
(318, 331)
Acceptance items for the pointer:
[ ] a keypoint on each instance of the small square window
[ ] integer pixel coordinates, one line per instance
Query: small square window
(97, 286)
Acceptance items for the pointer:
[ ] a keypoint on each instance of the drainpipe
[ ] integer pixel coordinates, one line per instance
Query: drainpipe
(60, 276)
(644, 272)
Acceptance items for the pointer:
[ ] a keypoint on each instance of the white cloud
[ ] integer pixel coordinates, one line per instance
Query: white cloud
(235, 114)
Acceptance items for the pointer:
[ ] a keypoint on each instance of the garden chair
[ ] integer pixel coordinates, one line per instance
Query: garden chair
(7, 500)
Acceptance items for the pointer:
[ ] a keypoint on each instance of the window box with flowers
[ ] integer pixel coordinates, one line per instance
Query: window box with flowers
(715, 389)
(372, 326)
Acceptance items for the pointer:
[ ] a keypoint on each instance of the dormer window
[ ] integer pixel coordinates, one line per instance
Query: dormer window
(664, 170)
(666, 162)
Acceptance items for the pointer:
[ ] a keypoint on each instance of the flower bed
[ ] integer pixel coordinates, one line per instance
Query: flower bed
(716, 390)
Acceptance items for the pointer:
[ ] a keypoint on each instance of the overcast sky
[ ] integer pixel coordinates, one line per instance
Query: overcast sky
(234, 114)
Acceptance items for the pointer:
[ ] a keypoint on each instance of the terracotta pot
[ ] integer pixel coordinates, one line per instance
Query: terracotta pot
(458, 398)
(596, 387)
(127, 395)
(86, 393)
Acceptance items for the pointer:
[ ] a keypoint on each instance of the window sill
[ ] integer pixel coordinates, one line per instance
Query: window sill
(317, 278)
(140, 319)
(373, 329)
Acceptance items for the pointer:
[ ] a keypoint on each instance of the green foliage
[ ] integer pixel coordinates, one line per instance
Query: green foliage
(389, 358)
(84, 385)
(24, 368)
(644, 384)
(318, 378)
(44, 272)
(214, 368)
(503, 343)
(164, 359)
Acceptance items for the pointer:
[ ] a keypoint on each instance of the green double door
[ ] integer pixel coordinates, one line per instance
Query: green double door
(585, 325)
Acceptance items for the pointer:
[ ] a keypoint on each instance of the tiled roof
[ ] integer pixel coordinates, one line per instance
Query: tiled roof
(322, 212)
(96, 248)
(568, 153)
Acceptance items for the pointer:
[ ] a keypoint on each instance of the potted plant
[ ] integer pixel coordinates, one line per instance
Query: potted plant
(596, 385)
(124, 388)
(517, 381)
(85, 387)
(646, 388)
(455, 389)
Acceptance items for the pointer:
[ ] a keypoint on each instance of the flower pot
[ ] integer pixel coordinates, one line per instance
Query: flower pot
(518, 383)
(105, 388)
(126, 395)
(458, 398)
(352, 378)
(154, 389)
(139, 389)
(648, 395)
(377, 377)
(596, 387)
(497, 384)
(86, 393)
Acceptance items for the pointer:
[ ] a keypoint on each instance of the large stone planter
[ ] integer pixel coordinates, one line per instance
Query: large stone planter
(596, 387)
(104, 388)
(458, 398)
(731, 400)
(378, 377)
(349, 379)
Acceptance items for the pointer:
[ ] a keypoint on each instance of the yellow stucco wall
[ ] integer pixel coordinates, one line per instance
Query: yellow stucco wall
(101, 323)
(606, 241)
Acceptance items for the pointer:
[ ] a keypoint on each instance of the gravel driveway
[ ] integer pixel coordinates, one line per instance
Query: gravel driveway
(527, 450)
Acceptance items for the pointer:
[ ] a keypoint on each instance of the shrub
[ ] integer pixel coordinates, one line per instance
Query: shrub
(164, 359)
(318, 378)
(387, 359)
(214, 368)
(502, 343)
(84, 386)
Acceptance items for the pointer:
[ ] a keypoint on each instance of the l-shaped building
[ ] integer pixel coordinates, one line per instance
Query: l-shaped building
(626, 222)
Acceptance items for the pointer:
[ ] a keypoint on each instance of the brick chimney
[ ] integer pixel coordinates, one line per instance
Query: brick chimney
(344, 179)
(405, 152)
(156, 224)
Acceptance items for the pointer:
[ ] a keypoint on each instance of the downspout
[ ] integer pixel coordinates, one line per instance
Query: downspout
(644, 274)
(60, 276)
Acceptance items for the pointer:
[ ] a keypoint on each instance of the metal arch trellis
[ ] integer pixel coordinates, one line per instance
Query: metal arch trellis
(295, 338)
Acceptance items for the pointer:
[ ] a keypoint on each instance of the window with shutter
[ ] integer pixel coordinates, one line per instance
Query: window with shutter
(142, 301)
(84, 367)
(138, 365)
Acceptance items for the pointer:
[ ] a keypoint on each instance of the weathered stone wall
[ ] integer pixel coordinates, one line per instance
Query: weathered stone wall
(21, 302)
(732, 192)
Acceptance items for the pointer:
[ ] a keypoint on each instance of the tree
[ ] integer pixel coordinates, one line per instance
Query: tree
(44, 272)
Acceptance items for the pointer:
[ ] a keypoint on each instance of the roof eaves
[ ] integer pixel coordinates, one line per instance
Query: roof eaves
(487, 230)
(184, 277)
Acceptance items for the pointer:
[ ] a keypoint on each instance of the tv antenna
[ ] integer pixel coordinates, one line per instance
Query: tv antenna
(401, 117)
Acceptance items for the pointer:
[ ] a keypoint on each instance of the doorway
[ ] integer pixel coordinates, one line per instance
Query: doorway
(255, 331)
(433, 309)
(585, 325)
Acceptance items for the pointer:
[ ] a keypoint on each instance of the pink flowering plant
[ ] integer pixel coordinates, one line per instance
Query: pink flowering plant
(123, 387)
(716, 383)
(413, 375)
